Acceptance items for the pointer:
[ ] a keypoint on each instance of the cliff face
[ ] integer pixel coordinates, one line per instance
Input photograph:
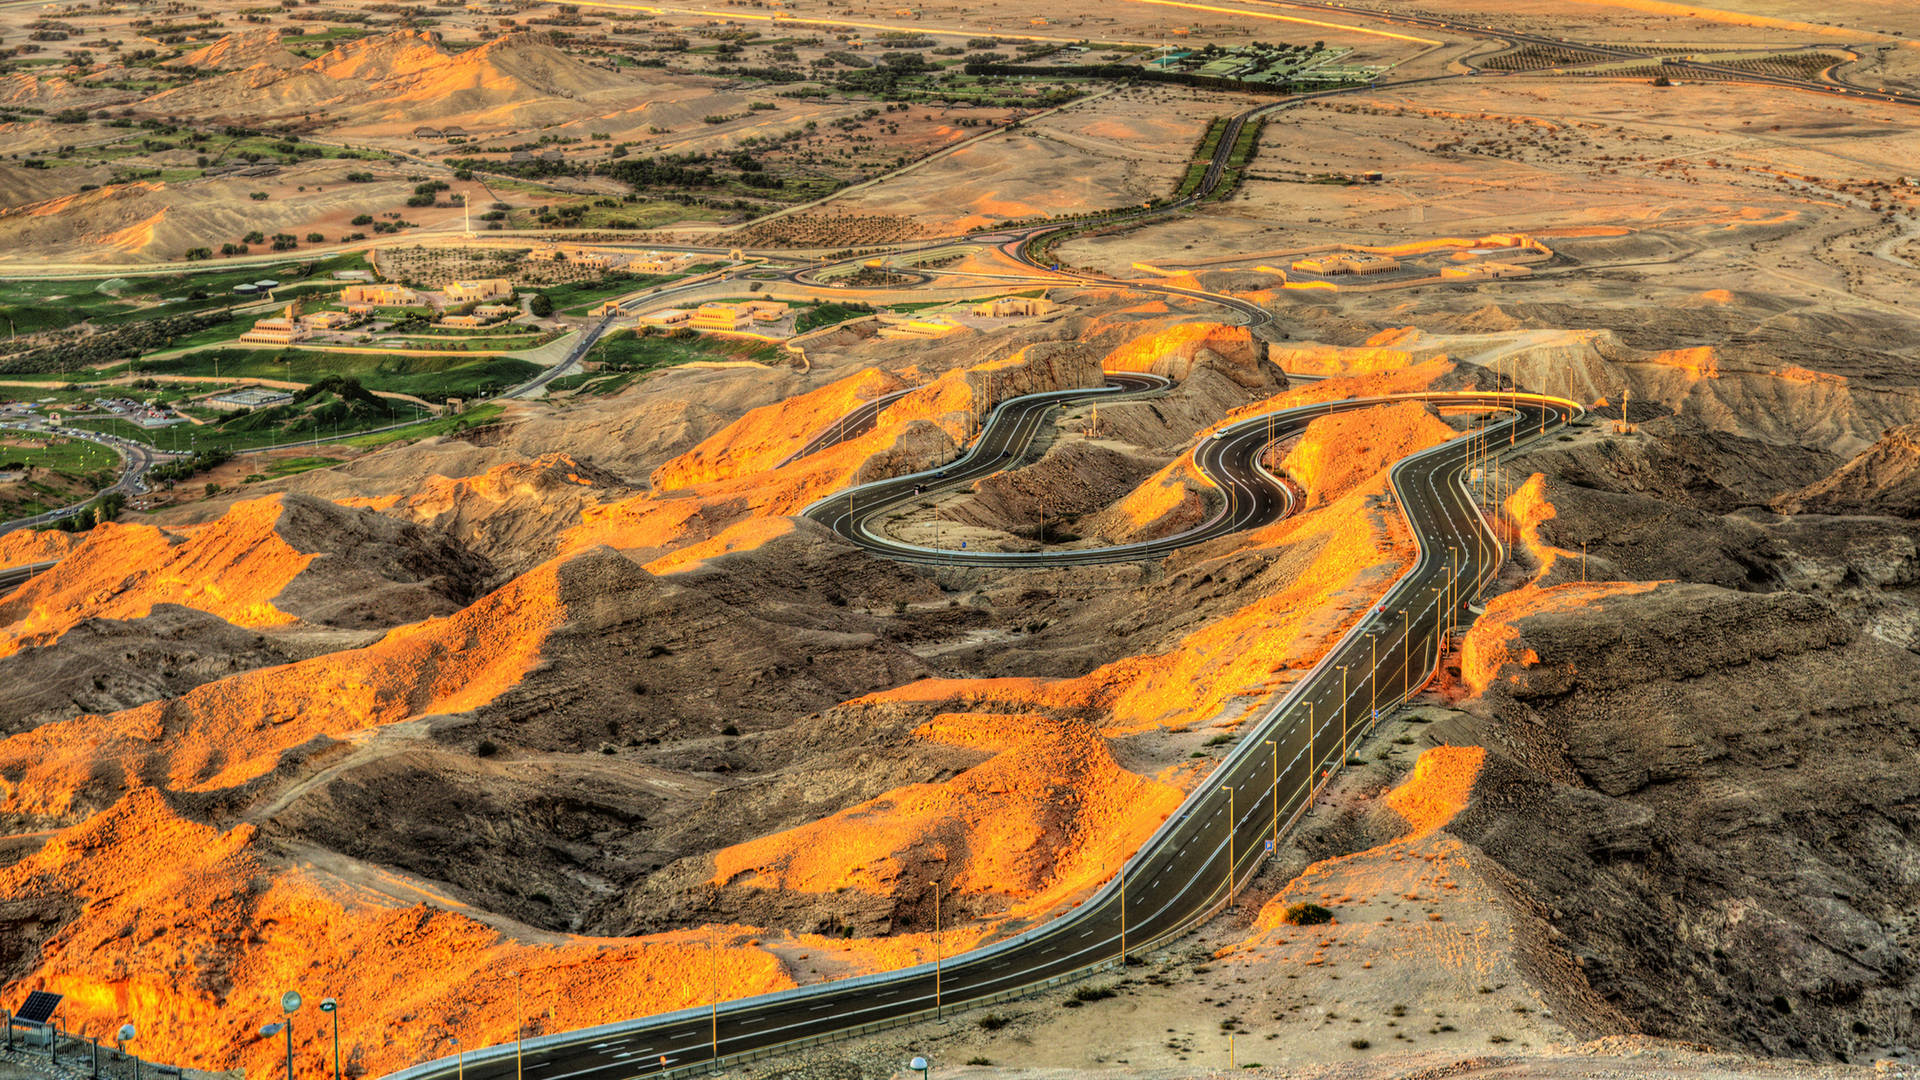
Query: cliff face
(1711, 792)
(1884, 479)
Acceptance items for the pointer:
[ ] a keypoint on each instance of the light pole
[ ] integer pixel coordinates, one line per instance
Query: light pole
(1311, 763)
(519, 1028)
(1229, 847)
(1275, 842)
(938, 941)
(290, 1004)
(460, 1060)
(920, 1065)
(1343, 715)
(332, 1008)
(1123, 909)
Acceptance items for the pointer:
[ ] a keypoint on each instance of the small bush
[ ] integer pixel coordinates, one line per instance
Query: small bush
(486, 748)
(729, 730)
(1305, 914)
(1359, 1044)
(978, 1061)
(993, 1022)
(1094, 993)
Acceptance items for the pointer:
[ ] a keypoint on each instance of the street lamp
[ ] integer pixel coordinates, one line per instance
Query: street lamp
(289, 1004)
(920, 1065)
(332, 1008)
(460, 1058)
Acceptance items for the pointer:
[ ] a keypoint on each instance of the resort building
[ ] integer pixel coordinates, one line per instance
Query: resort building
(1014, 307)
(1346, 262)
(378, 296)
(282, 329)
(468, 292)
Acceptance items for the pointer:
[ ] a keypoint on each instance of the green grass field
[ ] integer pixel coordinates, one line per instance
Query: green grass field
(75, 457)
(435, 378)
(626, 350)
(33, 306)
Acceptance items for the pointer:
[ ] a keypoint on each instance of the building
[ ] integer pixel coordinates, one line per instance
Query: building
(1346, 262)
(723, 316)
(462, 322)
(281, 329)
(720, 317)
(249, 397)
(1014, 307)
(326, 320)
(578, 256)
(378, 296)
(468, 292)
(672, 316)
(660, 262)
(496, 312)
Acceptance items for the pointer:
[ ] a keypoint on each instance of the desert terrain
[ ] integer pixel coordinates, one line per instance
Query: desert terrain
(540, 703)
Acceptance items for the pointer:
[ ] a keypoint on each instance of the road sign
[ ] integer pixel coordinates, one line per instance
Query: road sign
(1269, 847)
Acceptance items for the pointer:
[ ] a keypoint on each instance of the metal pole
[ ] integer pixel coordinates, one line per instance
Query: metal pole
(1312, 765)
(1343, 716)
(1123, 911)
(1229, 847)
(96, 1056)
(336, 1042)
(1276, 794)
(289, 1046)
(1373, 688)
(519, 1028)
(713, 968)
(936, 950)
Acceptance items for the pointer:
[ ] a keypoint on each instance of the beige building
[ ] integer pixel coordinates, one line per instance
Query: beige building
(282, 329)
(723, 316)
(379, 296)
(468, 292)
(326, 320)
(578, 256)
(1346, 262)
(492, 312)
(1014, 307)
(672, 316)
(462, 322)
(660, 262)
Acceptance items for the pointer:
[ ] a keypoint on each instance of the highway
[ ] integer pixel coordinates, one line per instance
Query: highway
(1189, 868)
(135, 459)
(851, 426)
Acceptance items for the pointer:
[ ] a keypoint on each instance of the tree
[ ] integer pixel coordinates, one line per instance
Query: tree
(541, 305)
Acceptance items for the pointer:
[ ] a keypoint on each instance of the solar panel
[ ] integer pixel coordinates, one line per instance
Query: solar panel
(39, 1007)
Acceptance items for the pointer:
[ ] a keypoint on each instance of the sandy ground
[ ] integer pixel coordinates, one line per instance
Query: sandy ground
(1425, 954)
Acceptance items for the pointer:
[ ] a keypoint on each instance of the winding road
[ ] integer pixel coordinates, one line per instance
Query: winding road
(1218, 837)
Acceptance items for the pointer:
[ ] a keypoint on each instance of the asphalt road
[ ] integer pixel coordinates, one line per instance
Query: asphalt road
(1187, 871)
(135, 459)
(851, 426)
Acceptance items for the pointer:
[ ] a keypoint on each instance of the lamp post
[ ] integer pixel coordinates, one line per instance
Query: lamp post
(460, 1059)
(289, 1004)
(920, 1065)
(1343, 715)
(1275, 842)
(519, 1028)
(332, 1008)
(1229, 847)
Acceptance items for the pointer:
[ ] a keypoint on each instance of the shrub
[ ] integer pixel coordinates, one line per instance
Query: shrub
(486, 748)
(1305, 914)
(993, 1022)
(1359, 1044)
